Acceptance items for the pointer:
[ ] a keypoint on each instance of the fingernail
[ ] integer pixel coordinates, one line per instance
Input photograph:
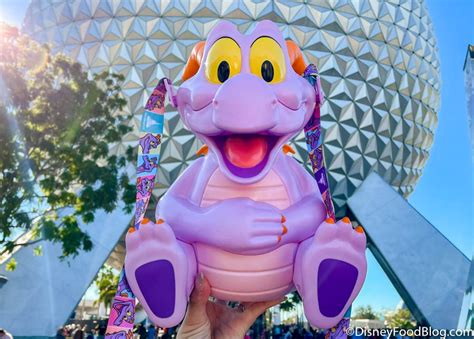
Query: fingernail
(346, 220)
(160, 221)
(283, 219)
(131, 229)
(200, 279)
(330, 221)
(279, 238)
(285, 230)
(145, 221)
(359, 229)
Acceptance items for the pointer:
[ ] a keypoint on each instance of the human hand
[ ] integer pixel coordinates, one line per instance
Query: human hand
(206, 319)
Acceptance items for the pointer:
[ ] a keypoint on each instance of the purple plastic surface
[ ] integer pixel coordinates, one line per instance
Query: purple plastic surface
(157, 284)
(244, 227)
(336, 280)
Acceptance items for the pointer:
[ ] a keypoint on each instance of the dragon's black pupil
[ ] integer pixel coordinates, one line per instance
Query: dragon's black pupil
(223, 71)
(267, 71)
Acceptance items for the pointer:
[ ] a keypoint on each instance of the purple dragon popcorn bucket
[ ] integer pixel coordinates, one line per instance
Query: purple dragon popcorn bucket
(246, 214)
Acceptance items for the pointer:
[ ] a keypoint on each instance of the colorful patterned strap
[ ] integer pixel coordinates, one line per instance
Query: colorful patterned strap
(151, 131)
(314, 142)
(122, 311)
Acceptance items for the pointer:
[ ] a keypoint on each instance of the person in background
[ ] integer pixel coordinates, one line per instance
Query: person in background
(298, 332)
(87, 333)
(277, 332)
(151, 332)
(4, 334)
(78, 333)
(320, 335)
(67, 331)
(141, 331)
(171, 332)
(60, 333)
(101, 332)
(165, 335)
(308, 334)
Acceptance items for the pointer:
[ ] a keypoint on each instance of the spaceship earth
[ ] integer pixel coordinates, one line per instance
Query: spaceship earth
(378, 63)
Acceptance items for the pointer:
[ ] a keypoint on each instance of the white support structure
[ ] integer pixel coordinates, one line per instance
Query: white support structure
(427, 270)
(42, 292)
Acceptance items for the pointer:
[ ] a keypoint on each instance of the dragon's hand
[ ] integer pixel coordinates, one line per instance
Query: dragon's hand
(242, 225)
(303, 218)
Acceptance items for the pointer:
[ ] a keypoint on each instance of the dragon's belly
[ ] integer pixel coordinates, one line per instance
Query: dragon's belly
(238, 277)
(270, 190)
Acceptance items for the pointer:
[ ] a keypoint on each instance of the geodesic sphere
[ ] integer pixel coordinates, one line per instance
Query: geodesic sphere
(378, 64)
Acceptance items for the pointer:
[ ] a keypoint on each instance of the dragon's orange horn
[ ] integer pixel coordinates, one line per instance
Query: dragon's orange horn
(194, 61)
(296, 57)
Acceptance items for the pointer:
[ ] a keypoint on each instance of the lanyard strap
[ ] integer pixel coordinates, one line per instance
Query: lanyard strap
(314, 143)
(151, 135)
(122, 310)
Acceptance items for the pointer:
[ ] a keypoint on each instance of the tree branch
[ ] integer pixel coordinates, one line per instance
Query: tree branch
(24, 244)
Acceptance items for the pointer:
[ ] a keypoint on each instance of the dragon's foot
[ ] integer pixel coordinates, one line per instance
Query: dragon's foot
(329, 272)
(160, 271)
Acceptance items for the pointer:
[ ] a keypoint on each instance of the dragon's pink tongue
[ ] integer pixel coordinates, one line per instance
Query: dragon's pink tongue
(245, 151)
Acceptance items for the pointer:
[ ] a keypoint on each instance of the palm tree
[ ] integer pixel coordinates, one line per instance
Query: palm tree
(106, 282)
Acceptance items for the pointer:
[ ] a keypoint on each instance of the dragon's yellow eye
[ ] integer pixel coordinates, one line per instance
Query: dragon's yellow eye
(223, 61)
(267, 60)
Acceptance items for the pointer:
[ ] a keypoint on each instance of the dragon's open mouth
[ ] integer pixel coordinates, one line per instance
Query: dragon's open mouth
(245, 155)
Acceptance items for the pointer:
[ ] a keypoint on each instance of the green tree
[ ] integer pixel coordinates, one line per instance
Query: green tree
(291, 301)
(365, 312)
(56, 125)
(106, 282)
(401, 318)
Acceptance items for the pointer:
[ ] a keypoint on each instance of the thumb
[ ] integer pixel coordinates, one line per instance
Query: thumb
(196, 313)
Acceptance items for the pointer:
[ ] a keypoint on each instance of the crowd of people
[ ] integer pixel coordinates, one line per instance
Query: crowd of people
(152, 332)
(287, 332)
(75, 331)
(276, 332)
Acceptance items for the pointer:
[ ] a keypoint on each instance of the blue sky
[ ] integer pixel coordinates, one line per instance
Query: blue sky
(444, 194)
